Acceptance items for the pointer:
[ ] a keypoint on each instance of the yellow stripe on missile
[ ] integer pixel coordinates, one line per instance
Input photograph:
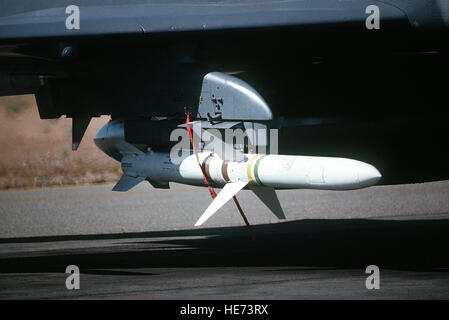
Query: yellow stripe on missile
(249, 167)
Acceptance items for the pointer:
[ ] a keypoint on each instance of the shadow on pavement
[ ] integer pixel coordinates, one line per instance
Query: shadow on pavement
(341, 244)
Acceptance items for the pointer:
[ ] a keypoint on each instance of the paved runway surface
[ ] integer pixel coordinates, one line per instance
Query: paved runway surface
(142, 244)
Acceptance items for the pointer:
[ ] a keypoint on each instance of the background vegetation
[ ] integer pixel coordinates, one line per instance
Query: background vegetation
(37, 153)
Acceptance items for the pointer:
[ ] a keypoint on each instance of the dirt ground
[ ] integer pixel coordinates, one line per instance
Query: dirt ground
(37, 153)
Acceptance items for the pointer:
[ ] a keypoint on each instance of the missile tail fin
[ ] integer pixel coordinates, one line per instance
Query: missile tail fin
(226, 194)
(268, 196)
(127, 182)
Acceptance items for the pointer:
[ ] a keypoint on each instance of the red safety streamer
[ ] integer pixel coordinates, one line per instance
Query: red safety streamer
(211, 189)
(253, 236)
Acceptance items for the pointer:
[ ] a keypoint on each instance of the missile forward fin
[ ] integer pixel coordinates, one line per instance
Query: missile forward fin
(226, 194)
(127, 182)
(270, 199)
(159, 184)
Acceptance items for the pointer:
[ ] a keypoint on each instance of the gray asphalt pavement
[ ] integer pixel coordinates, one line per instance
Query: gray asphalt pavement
(98, 210)
(142, 244)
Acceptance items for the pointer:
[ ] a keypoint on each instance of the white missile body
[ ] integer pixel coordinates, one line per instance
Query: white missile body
(276, 171)
(258, 172)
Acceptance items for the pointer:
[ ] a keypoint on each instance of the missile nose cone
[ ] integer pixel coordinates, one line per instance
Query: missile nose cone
(368, 175)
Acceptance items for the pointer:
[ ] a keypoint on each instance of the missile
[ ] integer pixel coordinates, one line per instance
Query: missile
(260, 173)
(273, 171)
(227, 103)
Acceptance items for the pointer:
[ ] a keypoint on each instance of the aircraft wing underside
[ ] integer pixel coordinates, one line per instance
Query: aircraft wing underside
(38, 19)
(311, 68)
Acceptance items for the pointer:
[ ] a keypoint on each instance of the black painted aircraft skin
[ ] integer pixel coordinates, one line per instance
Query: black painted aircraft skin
(377, 95)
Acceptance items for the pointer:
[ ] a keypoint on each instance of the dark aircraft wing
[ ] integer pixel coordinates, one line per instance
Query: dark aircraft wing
(140, 60)
(38, 19)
